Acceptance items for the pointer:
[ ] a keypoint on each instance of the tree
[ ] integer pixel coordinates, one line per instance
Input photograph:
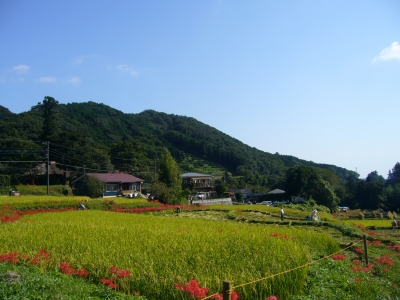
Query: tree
(307, 183)
(370, 193)
(394, 175)
(49, 113)
(95, 187)
(169, 174)
(220, 187)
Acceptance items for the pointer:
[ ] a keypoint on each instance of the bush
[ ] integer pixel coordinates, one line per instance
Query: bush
(54, 190)
(361, 215)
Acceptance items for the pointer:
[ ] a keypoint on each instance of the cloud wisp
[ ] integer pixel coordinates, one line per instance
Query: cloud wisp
(21, 69)
(127, 69)
(47, 79)
(389, 53)
(81, 59)
(74, 80)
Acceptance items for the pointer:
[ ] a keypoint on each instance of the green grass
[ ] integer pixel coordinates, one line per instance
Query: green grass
(24, 282)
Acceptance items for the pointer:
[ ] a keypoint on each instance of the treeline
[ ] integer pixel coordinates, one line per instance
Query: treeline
(325, 188)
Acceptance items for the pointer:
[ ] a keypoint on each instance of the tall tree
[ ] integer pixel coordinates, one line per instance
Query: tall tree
(169, 174)
(48, 107)
(370, 193)
(394, 175)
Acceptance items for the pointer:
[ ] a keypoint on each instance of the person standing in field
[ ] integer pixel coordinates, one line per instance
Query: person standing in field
(282, 213)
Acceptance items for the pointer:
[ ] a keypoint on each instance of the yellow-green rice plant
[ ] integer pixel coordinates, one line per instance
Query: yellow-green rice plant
(162, 251)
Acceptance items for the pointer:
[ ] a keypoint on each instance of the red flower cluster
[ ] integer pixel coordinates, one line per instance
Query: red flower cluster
(338, 257)
(359, 250)
(119, 272)
(194, 290)
(361, 269)
(375, 243)
(394, 247)
(9, 257)
(384, 260)
(109, 282)
(280, 236)
(68, 270)
(8, 215)
(356, 262)
(41, 256)
(272, 298)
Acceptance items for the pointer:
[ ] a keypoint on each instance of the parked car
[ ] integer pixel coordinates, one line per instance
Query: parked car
(269, 203)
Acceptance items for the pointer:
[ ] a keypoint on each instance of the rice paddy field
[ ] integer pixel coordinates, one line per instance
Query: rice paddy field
(167, 255)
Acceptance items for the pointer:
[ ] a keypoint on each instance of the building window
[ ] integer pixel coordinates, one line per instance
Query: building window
(111, 187)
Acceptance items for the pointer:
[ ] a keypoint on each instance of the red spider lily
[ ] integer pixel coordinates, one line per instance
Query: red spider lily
(10, 257)
(109, 282)
(384, 260)
(375, 243)
(357, 280)
(356, 262)
(394, 247)
(82, 272)
(234, 296)
(119, 272)
(66, 268)
(7, 215)
(361, 269)
(193, 289)
(272, 298)
(280, 236)
(42, 255)
(359, 250)
(338, 257)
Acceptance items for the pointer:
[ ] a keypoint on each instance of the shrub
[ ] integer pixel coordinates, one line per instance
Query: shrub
(361, 215)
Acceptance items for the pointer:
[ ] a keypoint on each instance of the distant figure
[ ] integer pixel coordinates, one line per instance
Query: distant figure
(178, 209)
(314, 215)
(282, 213)
(394, 223)
(81, 206)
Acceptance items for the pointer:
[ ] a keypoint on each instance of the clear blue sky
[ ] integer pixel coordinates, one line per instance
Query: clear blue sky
(318, 80)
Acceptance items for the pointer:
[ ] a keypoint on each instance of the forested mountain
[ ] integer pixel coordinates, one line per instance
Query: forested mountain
(99, 138)
(91, 137)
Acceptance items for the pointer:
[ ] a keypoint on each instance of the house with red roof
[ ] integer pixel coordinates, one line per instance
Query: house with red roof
(114, 184)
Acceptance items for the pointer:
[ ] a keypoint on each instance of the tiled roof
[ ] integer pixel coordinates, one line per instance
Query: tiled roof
(115, 177)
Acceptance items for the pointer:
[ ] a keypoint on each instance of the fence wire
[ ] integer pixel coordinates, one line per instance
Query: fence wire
(287, 271)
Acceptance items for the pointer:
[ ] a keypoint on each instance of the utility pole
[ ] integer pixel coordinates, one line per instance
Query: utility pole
(47, 161)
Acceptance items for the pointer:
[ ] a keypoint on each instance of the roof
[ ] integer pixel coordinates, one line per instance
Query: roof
(193, 174)
(115, 177)
(276, 191)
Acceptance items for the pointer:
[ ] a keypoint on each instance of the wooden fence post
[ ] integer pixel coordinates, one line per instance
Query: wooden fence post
(365, 249)
(226, 290)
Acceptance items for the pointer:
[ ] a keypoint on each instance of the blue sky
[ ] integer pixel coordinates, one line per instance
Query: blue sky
(318, 80)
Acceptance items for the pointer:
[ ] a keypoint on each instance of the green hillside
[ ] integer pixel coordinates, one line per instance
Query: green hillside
(97, 137)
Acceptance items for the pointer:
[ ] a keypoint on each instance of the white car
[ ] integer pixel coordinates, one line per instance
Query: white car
(269, 203)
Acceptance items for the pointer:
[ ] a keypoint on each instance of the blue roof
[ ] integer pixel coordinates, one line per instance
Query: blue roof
(193, 174)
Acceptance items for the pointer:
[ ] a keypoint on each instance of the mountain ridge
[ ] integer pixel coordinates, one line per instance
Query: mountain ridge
(108, 130)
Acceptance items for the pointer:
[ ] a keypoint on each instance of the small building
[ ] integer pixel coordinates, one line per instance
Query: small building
(114, 184)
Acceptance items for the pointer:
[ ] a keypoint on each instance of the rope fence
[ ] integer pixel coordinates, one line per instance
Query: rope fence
(228, 289)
